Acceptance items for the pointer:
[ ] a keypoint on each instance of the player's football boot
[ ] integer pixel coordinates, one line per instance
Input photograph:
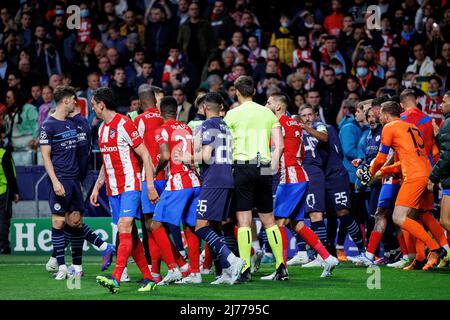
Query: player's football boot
(234, 270)
(107, 256)
(245, 276)
(363, 260)
(222, 279)
(445, 261)
(281, 274)
(52, 265)
(109, 282)
(299, 259)
(400, 264)
(381, 261)
(341, 255)
(434, 257)
(328, 266)
(316, 263)
(172, 276)
(191, 278)
(205, 271)
(61, 274)
(255, 261)
(415, 265)
(147, 285)
(125, 277)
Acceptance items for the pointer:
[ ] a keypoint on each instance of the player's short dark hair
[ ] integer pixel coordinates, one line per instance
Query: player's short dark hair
(245, 86)
(214, 101)
(408, 94)
(106, 95)
(168, 106)
(380, 100)
(282, 98)
(391, 107)
(62, 92)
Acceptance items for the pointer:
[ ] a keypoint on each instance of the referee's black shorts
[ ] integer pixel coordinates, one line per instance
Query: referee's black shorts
(253, 189)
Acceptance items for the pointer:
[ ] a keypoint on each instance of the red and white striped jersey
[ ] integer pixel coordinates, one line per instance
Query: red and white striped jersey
(147, 123)
(291, 169)
(116, 140)
(179, 137)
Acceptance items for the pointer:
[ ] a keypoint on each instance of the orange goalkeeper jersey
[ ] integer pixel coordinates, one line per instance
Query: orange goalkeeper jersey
(406, 140)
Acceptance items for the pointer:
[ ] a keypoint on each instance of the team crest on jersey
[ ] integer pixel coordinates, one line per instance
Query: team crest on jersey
(57, 206)
(377, 138)
(112, 133)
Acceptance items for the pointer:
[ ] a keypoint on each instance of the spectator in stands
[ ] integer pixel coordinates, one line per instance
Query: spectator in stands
(183, 12)
(47, 105)
(250, 28)
(160, 35)
(423, 65)
(122, 92)
(21, 122)
(195, 37)
(36, 95)
(130, 25)
(431, 102)
(25, 30)
(146, 77)
(104, 67)
(221, 22)
(134, 69)
(333, 22)
(331, 95)
(93, 81)
(115, 40)
(257, 54)
(14, 83)
(313, 99)
(368, 81)
(329, 51)
(114, 58)
(185, 111)
(9, 192)
(283, 39)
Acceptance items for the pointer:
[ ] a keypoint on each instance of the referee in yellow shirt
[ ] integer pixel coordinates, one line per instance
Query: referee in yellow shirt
(253, 128)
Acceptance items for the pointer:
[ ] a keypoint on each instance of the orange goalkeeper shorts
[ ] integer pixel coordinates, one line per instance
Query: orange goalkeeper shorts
(414, 194)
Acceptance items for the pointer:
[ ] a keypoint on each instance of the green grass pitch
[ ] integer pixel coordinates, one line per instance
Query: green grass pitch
(25, 278)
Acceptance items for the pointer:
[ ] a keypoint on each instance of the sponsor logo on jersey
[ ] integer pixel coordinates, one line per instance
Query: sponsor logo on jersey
(108, 149)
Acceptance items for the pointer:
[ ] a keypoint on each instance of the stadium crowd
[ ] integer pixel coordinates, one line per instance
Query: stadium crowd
(324, 56)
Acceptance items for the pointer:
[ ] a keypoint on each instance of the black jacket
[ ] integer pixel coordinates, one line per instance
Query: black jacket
(441, 170)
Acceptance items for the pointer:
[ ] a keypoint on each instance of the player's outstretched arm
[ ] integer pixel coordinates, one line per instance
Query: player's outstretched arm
(46, 151)
(319, 135)
(98, 184)
(164, 157)
(276, 136)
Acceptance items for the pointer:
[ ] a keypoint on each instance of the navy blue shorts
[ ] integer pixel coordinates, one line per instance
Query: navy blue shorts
(125, 205)
(388, 195)
(338, 192)
(176, 206)
(72, 201)
(315, 198)
(290, 201)
(147, 206)
(214, 204)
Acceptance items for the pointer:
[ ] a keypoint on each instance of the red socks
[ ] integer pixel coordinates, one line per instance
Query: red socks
(193, 249)
(313, 241)
(402, 243)
(123, 252)
(374, 241)
(165, 246)
(207, 262)
(139, 257)
(433, 225)
(155, 253)
(284, 241)
(419, 232)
